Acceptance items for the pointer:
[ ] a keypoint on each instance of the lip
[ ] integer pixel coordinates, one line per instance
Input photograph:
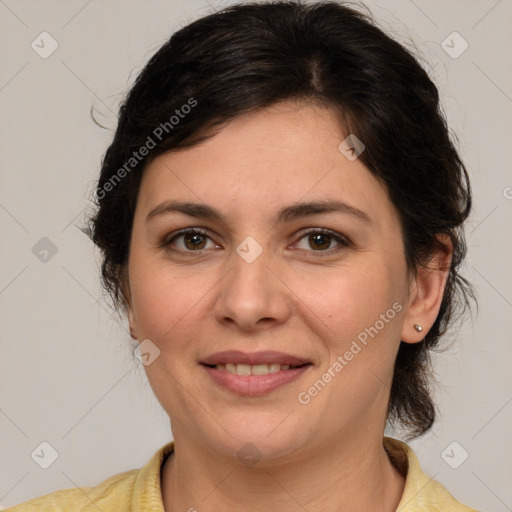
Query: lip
(252, 358)
(254, 385)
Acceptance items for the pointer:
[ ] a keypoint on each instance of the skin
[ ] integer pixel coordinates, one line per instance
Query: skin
(327, 454)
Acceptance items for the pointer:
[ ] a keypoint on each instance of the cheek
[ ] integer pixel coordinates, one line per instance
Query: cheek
(348, 299)
(168, 311)
(165, 301)
(359, 309)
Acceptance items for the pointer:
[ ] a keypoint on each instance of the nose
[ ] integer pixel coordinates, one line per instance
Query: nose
(253, 295)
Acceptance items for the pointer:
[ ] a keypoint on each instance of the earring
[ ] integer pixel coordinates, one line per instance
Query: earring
(418, 327)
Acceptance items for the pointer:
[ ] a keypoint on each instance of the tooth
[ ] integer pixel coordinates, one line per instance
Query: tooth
(243, 369)
(259, 369)
(231, 368)
(256, 369)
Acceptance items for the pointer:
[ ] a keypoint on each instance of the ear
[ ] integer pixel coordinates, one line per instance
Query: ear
(127, 297)
(132, 324)
(426, 292)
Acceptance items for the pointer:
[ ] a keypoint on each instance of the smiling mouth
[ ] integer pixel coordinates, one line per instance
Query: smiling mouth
(254, 369)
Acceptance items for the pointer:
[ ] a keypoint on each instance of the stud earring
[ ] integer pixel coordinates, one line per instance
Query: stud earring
(418, 327)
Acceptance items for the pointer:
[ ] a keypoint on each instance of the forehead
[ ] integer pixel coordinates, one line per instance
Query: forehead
(264, 160)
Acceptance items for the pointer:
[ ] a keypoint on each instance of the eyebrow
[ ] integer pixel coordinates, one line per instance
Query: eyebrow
(286, 214)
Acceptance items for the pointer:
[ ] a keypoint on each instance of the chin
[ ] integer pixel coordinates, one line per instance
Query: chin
(261, 438)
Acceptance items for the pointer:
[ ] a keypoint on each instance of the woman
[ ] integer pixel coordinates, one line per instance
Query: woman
(280, 214)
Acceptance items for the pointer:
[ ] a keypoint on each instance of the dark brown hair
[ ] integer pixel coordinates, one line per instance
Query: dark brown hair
(253, 55)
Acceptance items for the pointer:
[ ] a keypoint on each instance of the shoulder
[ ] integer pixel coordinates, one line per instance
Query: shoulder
(111, 494)
(137, 489)
(421, 492)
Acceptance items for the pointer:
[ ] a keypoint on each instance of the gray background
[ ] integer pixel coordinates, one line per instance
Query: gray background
(67, 372)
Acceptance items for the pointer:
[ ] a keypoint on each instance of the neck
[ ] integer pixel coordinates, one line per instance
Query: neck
(353, 475)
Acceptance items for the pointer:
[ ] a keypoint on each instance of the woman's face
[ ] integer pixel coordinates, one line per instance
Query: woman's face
(262, 277)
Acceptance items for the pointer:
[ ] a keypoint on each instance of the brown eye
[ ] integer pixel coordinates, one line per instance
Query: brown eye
(194, 239)
(321, 241)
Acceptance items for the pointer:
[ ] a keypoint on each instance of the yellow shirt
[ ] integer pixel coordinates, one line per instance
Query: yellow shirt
(139, 489)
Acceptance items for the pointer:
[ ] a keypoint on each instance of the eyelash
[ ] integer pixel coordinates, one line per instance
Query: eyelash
(342, 240)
